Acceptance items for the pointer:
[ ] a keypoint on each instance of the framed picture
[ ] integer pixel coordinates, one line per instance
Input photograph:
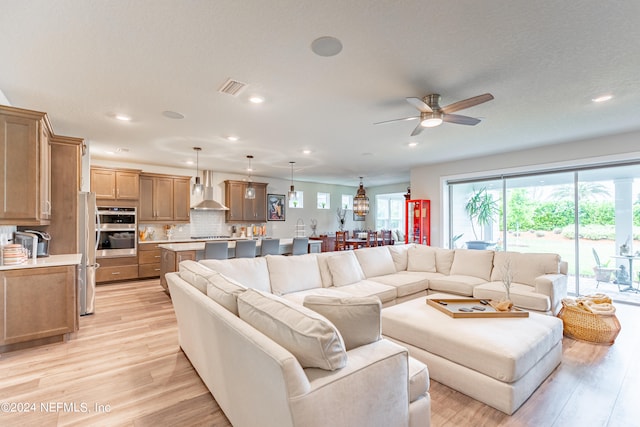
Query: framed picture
(358, 217)
(275, 207)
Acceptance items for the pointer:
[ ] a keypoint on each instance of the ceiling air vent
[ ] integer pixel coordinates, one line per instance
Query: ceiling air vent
(232, 87)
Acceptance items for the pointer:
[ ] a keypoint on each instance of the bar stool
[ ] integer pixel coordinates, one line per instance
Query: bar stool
(300, 246)
(216, 250)
(246, 248)
(270, 247)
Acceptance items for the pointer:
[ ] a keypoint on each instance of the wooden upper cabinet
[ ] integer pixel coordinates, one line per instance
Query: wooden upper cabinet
(25, 164)
(164, 198)
(115, 184)
(245, 210)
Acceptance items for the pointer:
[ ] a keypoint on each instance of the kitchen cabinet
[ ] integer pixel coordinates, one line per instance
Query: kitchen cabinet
(148, 260)
(170, 262)
(37, 304)
(25, 165)
(245, 210)
(115, 184)
(117, 268)
(164, 198)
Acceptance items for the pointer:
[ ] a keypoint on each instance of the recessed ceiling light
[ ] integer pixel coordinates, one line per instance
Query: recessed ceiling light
(231, 138)
(306, 151)
(123, 117)
(326, 46)
(173, 115)
(602, 98)
(412, 144)
(189, 162)
(256, 99)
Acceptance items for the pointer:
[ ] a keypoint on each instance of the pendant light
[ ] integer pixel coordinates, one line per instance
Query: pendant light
(292, 192)
(250, 192)
(198, 188)
(361, 201)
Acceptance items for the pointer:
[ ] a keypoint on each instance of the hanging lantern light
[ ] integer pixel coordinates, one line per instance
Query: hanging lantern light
(198, 188)
(250, 192)
(292, 191)
(361, 201)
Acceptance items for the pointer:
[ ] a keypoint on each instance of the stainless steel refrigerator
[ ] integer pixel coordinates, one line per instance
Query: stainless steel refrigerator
(87, 245)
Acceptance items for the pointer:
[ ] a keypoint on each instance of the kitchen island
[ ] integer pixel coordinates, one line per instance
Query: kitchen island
(174, 253)
(38, 301)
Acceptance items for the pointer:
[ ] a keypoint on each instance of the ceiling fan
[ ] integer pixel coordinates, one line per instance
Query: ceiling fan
(432, 114)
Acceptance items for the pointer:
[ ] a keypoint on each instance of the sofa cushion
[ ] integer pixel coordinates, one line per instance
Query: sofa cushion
(407, 282)
(310, 337)
(444, 259)
(293, 273)
(344, 268)
(421, 258)
(250, 272)
(523, 296)
(418, 379)
(459, 285)
(399, 254)
(195, 273)
(525, 267)
(323, 265)
(471, 262)
(357, 318)
(224, 291)
(375, 261)
(367, 288)
(298, 297)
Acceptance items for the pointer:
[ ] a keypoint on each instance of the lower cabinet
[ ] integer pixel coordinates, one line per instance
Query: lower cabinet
(170, 260)
(112, 269)
(37, 304)
(148, 260)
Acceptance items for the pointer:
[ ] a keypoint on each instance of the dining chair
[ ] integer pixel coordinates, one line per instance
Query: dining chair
(246, 248)
(216, 250)
(300, 246)
(372, 239)
(270, 247)
(387, 238)
(341, 240)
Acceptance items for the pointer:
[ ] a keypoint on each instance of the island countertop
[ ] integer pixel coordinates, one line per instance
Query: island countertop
(199, 245)
(50, 261)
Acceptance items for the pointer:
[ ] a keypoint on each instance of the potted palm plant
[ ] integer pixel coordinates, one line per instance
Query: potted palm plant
(482, 210)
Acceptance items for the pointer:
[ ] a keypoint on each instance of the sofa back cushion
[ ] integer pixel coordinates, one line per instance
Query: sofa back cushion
(323, 265)
(344, 268)
(399, 254)
(357, 318)
(421, 258)
(224, 291)
(250, 272)
(293, 273)
(195, 274)
(471, 262)
(524, 267)
(444, 260)
(309, 336)
(375, 261)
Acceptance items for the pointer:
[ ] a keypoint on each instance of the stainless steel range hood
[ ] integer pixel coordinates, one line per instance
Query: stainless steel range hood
(208, 204)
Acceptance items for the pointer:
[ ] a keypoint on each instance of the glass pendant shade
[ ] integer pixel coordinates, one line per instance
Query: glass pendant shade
(361, 201)
(250, 191)
(198, 188)
(292, 191)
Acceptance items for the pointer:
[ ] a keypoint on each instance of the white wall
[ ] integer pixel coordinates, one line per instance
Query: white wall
(427, 182)
(3, 99)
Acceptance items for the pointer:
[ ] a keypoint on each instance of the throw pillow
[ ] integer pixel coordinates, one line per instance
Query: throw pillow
(195, 273)
(472, 262)
(375, 261)
(421, 258)
(310, 337)
(344, 268)
(357, 318)
(293, 273)
(251, 272)
(224, 291)
(444, 259)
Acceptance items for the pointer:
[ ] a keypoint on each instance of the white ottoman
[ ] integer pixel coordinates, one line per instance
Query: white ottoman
(498, 361)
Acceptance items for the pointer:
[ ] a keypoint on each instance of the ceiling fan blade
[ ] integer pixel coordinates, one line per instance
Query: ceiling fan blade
(417, 130)
(467, 103)
(397, 120)
(460, 120)
(419, 104)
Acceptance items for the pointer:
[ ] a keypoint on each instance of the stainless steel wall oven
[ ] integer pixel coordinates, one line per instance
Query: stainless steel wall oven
(117, 231)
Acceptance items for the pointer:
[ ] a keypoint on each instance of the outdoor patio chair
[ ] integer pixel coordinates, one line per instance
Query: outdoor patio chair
(602, 273)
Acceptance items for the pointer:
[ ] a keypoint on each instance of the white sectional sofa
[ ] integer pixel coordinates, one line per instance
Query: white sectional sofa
(258, 378)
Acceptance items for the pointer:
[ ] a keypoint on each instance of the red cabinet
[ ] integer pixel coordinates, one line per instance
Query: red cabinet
(418, 222)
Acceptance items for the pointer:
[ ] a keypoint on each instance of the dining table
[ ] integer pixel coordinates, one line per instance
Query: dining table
(630, 287)
(356, 242)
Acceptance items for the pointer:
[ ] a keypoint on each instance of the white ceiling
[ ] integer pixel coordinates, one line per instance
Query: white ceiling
(83, 61)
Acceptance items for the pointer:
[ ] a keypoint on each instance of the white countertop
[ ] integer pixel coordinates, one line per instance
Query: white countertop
(199, 245)
(50, 261)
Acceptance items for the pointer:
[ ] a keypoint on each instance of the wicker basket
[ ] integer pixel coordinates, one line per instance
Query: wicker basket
(591, 327)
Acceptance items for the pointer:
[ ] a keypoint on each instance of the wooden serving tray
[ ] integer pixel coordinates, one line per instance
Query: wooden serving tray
(454, 304)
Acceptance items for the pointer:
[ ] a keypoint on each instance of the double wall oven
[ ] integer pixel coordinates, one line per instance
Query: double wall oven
(117, 231)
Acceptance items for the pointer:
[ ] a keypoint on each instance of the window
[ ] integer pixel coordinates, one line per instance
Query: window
(298, 201)
(324, 200)
(347, 202)
(390, 211)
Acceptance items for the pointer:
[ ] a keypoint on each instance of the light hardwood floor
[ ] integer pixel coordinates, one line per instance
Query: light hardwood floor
(125, 368)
